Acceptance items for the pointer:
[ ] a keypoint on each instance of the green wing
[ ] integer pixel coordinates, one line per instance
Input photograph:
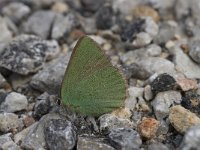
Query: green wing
(91, 85)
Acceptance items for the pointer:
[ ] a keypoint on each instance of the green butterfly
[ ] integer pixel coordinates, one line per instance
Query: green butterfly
(91, 84)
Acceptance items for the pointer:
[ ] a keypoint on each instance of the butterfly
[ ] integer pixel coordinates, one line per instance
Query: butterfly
(91, 84)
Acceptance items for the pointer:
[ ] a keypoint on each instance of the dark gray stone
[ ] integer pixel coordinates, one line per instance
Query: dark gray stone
(194, 53)
(27, 54)
(125, 138)
(90, 5)
(60, 134)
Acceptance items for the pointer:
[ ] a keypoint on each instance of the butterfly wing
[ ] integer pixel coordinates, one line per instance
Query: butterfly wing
(91, 85)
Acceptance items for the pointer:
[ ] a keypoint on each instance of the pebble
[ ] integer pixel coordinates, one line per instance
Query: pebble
(14, 102)
(154, 50)
(6, 142)
(3, 83)
(36, 24)
(50, 78)
(142, 39)
(60, 7)
(27, 53)
(148, 127)
(124, 138)
(91, 6)
(164, 82)
(194, 50)
(35, 138)
(104, 17)
(144, 10)
(191, 139)
(63, 25)
(60, 134)
(182, 119)
(108, 122)
(157, 146)
(16, 11)
(151, 27)
(28, 121)
(163, 101)
(88, 25)
(187, 84)
(85, 143)
(148, 95)
(9, 122)
(134, 94)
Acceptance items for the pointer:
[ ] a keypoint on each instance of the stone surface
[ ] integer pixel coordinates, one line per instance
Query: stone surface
(60, 7)
(16, 11)
(35, 138)
(182, 119)
(85, 143)
(163, 101)
(191, 139)
(6, 142)
(8, 122)
(164, 82)
(187, 84)
(148, 127)
(36, 24)
(148, 94)
(60, 134)
(14, 102)
(142, 39)
(63, 25)
(154, 50)
(91, 6)
(151, 27)
(157, 146)
(194, 50)
(27, 54)
(108, 122)
(3, 83)
(125, 138)
(51, 77)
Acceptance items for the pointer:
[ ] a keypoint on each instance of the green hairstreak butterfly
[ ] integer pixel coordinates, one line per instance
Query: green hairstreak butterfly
(91, 84)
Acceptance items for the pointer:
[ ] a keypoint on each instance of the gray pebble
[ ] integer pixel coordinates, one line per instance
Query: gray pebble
(194, 53)
(16, 11)
(27, 54)
(151, 27)
(125, 138)
(6, 142)
(154, 50)
(8, 121)
(14, 102)
(3, 81)
(157, 146)
(60, 134)
(85, 143)
(142, 39)
(36, 24)
(163, 101)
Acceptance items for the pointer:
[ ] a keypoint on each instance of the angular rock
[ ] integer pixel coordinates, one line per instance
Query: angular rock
(16, 11)
(14, 102)
(8, 122)
(125, 138)
(36, 24)
(50, 78)
(182, 119)
(187, 84)
(27, 54)
(163, 101)
(60, 134)
(6, 142)
(109, 121)
(85, 143)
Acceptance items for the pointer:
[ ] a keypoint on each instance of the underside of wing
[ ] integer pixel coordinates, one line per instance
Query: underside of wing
(91, 85)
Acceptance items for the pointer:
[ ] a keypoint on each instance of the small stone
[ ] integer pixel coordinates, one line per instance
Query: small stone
(125, 138)
(60, 7)
(148, 127)
(27, 54)
(142, 39)
(36, 24)
(191, 139)
(187, 84)
(28, 121)
(122, 113)
(91, 6)
(164, 82)
(85, 143)
(14, 102)
(104, 19)
(6, 142)
(134, 94)
(194, 50)
(157, 146)
(154, 50)
(60, 134)
(144, 10)
(148, 95)
(63, 25)
(163, 102)
(8, 122)
(16, 11)
(3, 83)
(182, 119)
(89, 25)
(151, 27)
(50, 78)
(109, 121)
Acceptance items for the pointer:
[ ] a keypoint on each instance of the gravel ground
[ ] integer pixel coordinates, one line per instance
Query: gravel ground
(157, 45)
